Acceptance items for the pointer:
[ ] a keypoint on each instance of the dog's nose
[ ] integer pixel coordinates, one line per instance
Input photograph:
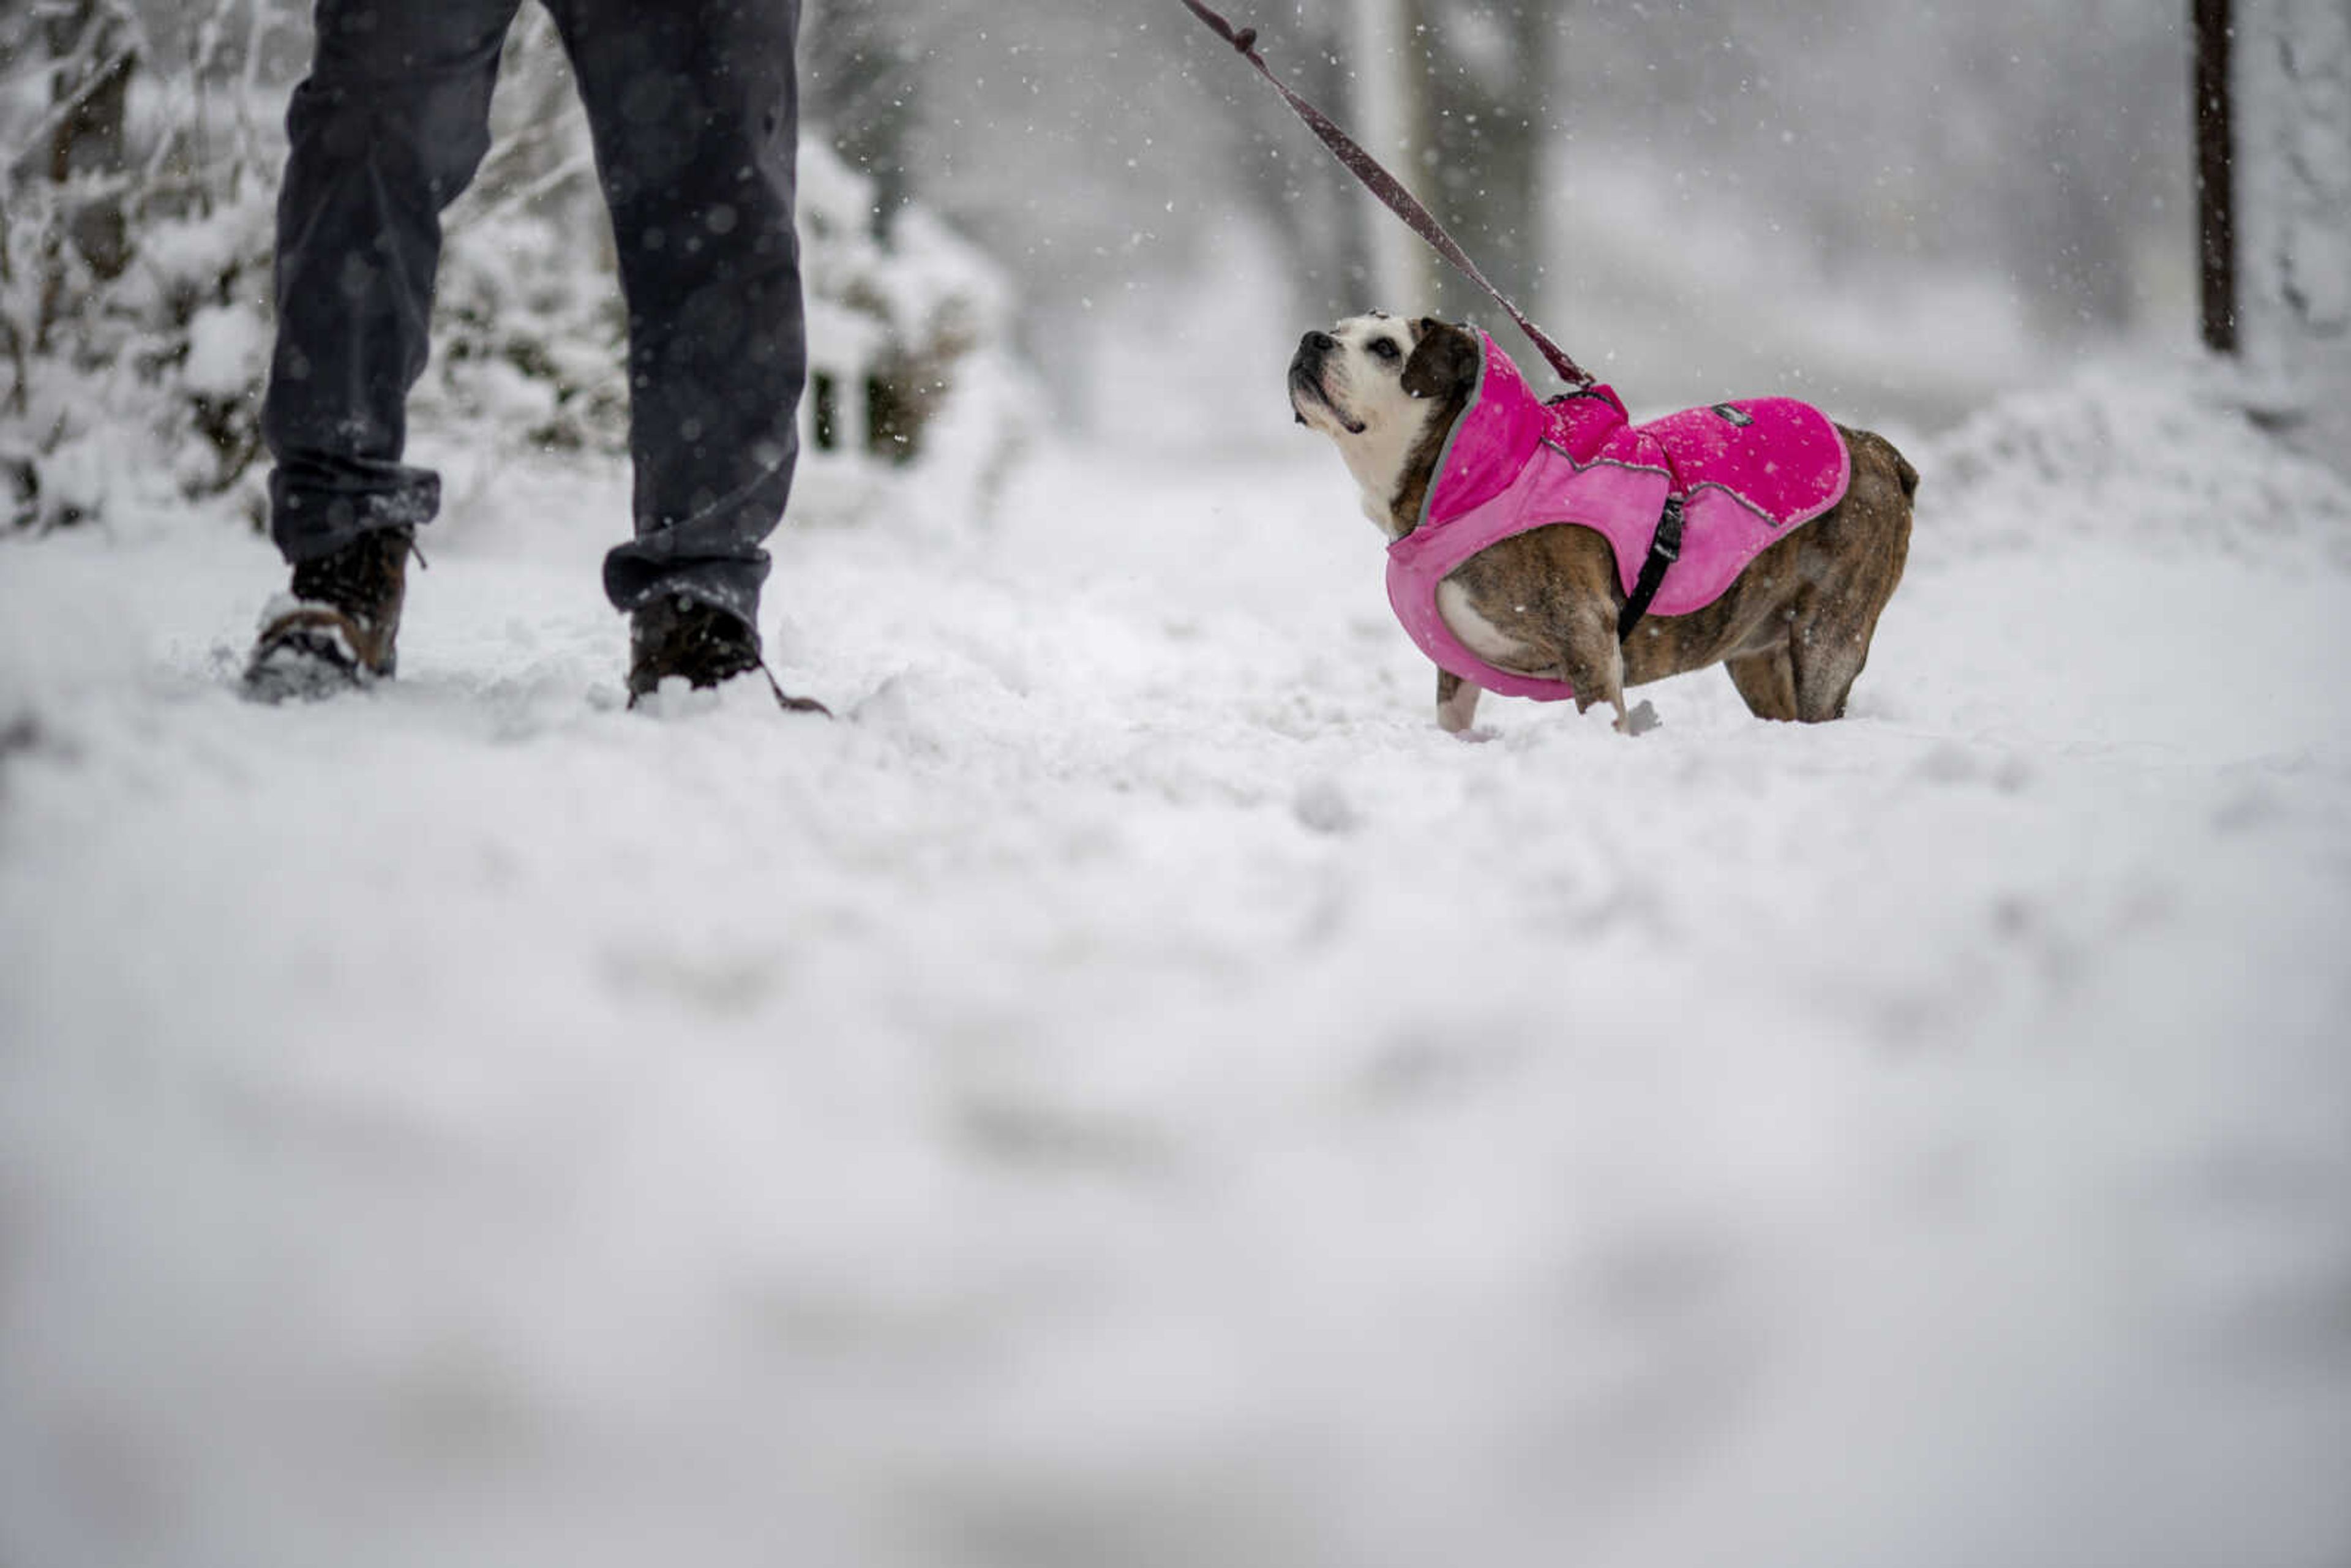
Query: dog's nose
(1317, 343)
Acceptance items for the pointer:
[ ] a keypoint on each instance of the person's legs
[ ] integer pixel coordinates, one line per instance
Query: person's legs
(386, 131)
(694, 108)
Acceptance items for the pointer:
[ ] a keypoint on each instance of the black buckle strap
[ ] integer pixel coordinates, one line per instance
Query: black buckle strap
(1664, 549)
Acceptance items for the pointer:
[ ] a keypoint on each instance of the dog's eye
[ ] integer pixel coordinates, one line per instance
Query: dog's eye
(1386, 349)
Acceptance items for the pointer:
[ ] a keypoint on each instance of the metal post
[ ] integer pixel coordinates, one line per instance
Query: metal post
(2216, 192)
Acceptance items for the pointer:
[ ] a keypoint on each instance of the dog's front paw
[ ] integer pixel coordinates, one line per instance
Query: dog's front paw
(1457, 703)
(1641, 721)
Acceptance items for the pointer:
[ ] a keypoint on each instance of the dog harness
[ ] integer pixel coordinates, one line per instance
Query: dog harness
(1703, 492)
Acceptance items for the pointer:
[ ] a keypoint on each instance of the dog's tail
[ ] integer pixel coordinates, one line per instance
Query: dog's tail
(1903, 472)
(1904, 475)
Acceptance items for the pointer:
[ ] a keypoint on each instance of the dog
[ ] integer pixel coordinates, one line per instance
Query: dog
(1787, 536)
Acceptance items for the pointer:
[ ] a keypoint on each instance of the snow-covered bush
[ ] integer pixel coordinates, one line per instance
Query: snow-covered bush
(134, 258)
(912, 376)
(529, 330)
(910, 360)
(143, 372)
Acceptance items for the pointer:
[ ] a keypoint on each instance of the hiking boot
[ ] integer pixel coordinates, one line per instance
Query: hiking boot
(339, 626)
(677, 636)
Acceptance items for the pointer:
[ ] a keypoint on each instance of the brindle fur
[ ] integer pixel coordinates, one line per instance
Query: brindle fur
(1793, 630)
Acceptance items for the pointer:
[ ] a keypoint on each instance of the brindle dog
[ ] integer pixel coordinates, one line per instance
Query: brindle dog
(1793, 630)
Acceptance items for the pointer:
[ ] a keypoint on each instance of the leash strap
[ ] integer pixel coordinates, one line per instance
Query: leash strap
(1386, 187)
(1664, 549)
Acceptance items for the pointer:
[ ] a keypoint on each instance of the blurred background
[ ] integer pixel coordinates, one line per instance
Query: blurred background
(1897, 210)
(1906, 206)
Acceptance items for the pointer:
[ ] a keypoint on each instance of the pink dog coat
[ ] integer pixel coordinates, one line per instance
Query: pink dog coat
(1745, 472)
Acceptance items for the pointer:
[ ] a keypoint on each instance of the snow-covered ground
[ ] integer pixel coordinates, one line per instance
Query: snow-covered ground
(1133, 1092)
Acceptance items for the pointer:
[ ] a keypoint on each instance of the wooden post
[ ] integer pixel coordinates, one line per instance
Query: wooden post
(2216, 192)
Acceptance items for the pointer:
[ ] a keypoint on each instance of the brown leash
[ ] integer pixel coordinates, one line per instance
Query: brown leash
(1386, 187)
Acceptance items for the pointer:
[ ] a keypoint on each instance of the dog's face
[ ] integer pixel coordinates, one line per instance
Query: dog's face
(1387, 390)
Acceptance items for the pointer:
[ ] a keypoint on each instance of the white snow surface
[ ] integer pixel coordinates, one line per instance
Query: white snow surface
(1133, 1092)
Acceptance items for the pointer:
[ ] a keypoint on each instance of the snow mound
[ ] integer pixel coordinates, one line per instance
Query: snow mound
(2171, 460)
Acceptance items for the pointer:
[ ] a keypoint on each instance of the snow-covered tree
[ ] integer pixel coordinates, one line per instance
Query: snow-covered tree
(1460, 98)
(1389, 94)
(2292, 69)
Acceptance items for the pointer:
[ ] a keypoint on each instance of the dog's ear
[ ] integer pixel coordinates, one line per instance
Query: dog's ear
(1445, 362)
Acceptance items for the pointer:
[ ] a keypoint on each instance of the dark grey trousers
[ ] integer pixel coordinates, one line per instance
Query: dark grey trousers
(694, 106)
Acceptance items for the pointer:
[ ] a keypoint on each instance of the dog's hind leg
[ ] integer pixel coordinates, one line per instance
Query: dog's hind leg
(1828, 645)
(1868, 534)
(1825, 673)
(1457, 703)
(1828, 642)
(1766, 680)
